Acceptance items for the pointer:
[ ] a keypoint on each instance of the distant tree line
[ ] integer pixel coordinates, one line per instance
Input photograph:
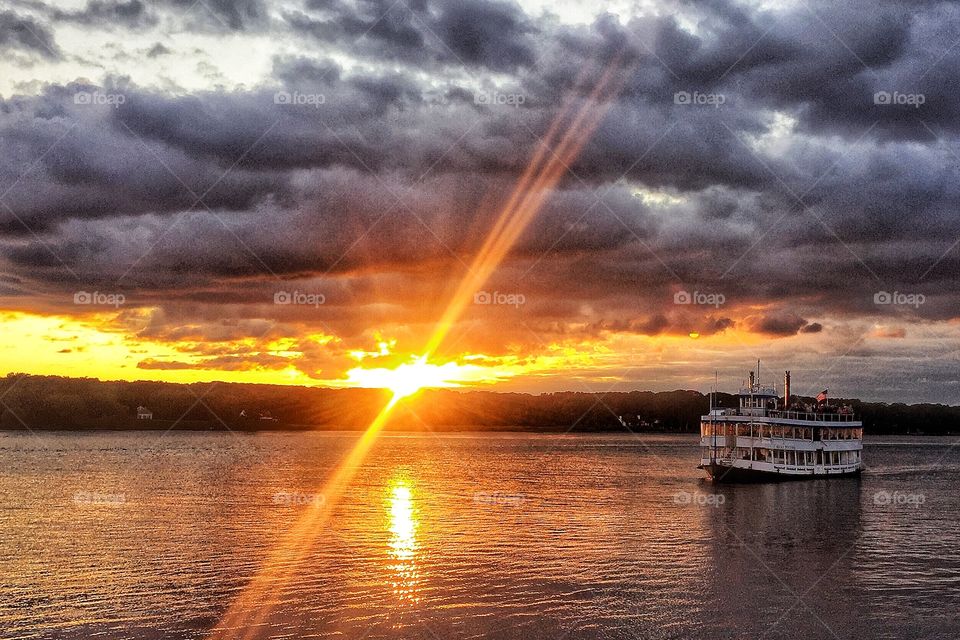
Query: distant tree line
(52, 402)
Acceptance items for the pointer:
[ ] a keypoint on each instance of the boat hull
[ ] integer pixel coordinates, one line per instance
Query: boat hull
(734, 474)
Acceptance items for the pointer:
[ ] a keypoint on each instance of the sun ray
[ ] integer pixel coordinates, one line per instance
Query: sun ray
(249, 610)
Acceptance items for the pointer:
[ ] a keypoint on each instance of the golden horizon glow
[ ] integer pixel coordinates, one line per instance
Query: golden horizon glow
(108, 352)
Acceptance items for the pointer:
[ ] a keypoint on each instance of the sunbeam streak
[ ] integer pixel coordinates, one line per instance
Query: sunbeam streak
(551, 160)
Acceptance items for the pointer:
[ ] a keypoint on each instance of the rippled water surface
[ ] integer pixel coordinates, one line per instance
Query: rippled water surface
(139, 535)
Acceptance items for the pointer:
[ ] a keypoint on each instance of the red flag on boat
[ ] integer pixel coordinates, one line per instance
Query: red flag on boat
(822, 396)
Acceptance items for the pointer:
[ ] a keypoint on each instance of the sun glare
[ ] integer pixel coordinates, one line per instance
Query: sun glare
(408, 378)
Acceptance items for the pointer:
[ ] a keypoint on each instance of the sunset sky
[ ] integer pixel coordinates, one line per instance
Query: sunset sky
(297, 192)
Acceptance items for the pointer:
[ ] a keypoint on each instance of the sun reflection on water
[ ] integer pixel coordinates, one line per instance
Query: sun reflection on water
(403, 548)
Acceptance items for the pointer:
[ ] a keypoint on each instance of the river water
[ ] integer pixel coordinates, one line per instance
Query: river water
(155, 536)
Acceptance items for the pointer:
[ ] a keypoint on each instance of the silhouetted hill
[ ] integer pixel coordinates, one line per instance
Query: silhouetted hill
(51, 402)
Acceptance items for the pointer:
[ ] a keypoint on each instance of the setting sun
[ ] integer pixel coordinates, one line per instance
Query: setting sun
(410, 377)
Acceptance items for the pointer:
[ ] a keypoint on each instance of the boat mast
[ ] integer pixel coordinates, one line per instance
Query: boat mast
(713, 425)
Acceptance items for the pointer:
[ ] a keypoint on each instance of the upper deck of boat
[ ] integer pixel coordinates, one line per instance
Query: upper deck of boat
(778, 416)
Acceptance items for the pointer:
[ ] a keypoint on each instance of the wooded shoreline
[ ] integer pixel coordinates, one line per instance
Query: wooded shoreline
(42, 403)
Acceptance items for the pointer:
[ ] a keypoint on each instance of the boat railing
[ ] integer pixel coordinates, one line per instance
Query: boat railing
(818, 417)
(787, 415)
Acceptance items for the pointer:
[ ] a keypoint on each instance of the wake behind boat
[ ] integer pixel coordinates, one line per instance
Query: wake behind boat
(766, 439)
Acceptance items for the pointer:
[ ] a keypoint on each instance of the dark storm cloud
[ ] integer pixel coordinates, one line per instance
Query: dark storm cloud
(132, 13)
(778, 325)
(486, 32)
(206, 16)
(813, 327)
(158, 50)
(18, 32)
(371, 164)
(87, 164)
(233, 15)
(380, 28)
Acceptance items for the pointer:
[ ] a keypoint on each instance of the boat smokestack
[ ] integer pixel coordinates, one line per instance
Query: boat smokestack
(786, 390)
(753, 380)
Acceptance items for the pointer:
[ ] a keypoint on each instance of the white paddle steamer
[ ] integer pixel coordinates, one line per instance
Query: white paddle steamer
(768, 439)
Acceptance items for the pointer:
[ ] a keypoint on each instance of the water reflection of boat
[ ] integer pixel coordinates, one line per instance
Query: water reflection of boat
(764, 439)
(782, 560)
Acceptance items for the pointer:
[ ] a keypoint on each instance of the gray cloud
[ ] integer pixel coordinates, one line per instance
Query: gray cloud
(18, 32)
(130, 13)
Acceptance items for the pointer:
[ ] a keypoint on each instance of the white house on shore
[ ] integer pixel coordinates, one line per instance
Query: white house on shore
(144, 414)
